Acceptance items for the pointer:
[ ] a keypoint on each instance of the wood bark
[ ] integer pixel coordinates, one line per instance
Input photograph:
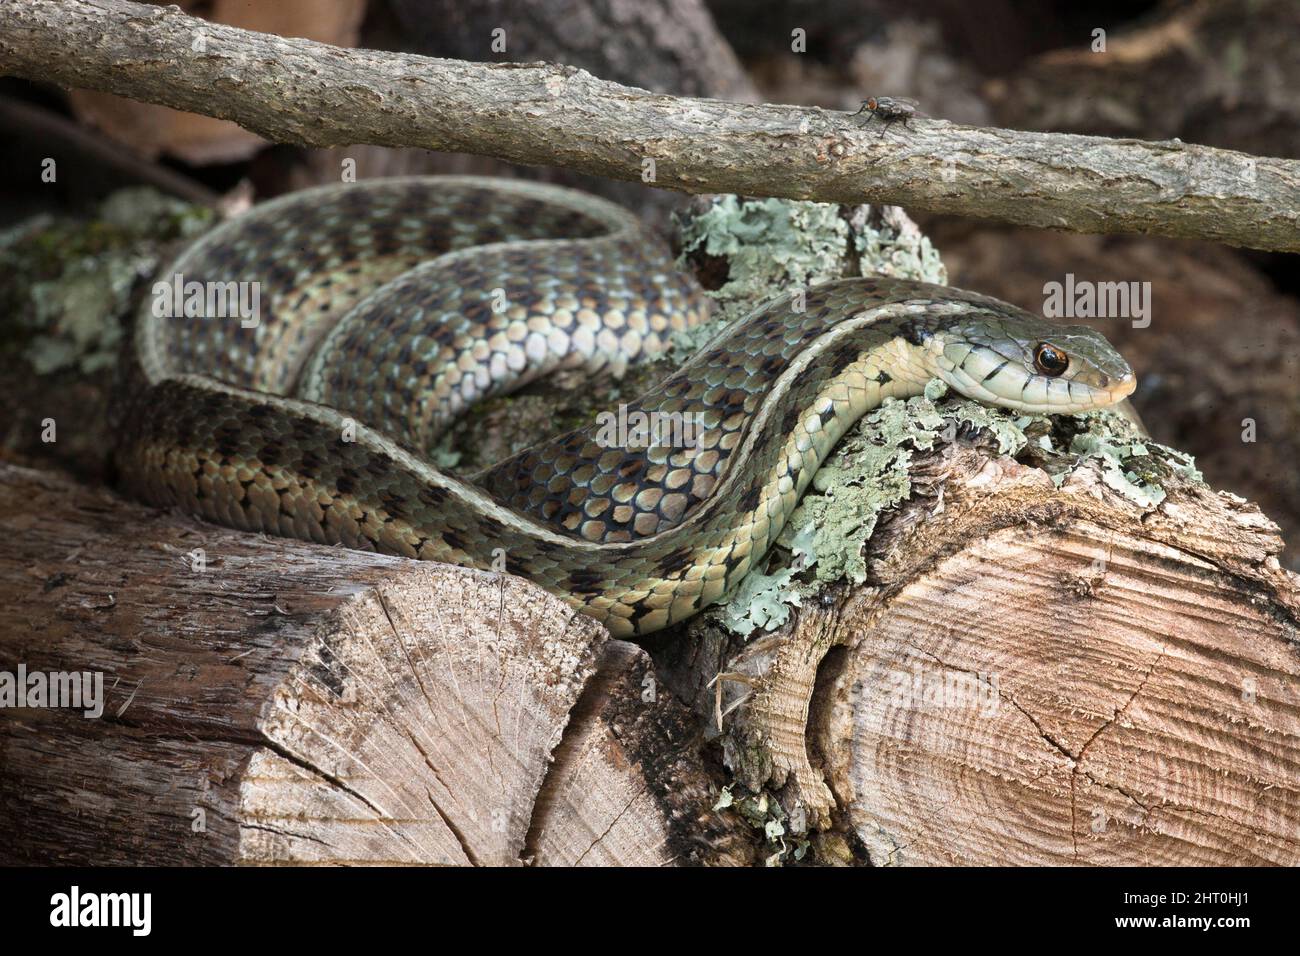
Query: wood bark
(286, 703)
(151, 130)
(309, 93)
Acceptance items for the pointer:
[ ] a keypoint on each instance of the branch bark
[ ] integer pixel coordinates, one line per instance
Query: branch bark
(298, 91)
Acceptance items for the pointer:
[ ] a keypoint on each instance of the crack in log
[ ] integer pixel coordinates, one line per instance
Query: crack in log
(465, 846)
(285, 833)
(455, 830)
(584, 710)
(400, 727)
(334, 781)
(1077, 769)
(459, 695)
(409, 731)
(613, 823)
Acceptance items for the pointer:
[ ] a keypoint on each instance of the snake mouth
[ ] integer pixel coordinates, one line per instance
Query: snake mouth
(1038, 396)
(1122, 389)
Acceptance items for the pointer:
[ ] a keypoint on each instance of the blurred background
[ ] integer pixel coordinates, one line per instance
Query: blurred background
(1223, 346)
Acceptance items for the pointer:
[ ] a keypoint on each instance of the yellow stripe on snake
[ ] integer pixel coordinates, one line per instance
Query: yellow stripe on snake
(388, 307)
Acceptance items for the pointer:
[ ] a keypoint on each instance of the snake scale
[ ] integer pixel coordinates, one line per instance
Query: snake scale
(387, 307)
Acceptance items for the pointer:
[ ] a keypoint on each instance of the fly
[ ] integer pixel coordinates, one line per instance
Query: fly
(888, 109)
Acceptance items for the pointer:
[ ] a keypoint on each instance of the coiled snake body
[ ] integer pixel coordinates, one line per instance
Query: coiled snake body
(387, 307)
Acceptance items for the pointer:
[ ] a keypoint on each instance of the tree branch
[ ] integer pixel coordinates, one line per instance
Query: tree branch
(298, 91)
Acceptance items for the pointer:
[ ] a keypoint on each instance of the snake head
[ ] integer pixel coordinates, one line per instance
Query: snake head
(1031, 365)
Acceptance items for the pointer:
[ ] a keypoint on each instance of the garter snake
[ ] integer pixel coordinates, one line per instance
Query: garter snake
(388, 307)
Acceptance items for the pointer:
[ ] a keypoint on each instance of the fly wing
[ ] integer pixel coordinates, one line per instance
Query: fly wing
(910, 104)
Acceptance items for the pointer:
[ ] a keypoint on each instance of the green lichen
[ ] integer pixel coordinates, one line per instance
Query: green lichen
(761, 601)
(764, 813)
(772, 246)
(143, 212)
(903, 252)
(769, 244)
(69, 282)
(1130, 463)
(78, 312)
(869, 472)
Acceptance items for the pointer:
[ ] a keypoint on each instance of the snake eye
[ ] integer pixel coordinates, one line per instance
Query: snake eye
(1050, 360)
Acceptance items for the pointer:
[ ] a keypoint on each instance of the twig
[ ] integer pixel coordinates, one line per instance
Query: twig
(298, 91)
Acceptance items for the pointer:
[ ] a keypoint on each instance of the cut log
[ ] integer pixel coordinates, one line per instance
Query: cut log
(1032, 675)
(1124, 703)
(616, 771)
(269, 701)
